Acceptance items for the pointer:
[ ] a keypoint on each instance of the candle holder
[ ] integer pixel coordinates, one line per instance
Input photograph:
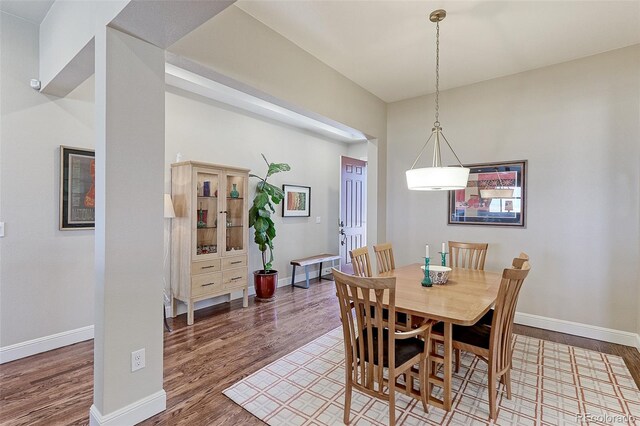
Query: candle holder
(443, 258)
(426, 282)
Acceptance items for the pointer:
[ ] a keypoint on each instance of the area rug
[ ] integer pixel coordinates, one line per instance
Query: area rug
(552, 384)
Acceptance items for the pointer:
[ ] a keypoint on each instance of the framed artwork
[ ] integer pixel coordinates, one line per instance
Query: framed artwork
(495, 195)
(77, 188)
(297, 201)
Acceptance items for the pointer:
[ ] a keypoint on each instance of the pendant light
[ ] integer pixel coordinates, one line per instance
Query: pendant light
(437, 177)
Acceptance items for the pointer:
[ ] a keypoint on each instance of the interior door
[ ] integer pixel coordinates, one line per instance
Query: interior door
(353, 208)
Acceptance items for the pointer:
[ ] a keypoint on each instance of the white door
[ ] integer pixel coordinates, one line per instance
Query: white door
(353, 208)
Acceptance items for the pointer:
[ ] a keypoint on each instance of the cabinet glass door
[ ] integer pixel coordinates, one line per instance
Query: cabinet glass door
(236, 213)
(206, 217)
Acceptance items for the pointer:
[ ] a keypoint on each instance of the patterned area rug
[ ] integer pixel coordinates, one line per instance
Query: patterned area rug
(552, 384)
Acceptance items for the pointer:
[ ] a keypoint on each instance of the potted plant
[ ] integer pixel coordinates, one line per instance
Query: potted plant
(267, 197)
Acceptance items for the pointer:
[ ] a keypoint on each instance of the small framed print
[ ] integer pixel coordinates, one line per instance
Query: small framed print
(297, 201)
(77, 188)
(495, 196)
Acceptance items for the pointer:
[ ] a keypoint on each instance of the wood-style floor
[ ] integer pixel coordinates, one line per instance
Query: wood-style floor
(225, 344)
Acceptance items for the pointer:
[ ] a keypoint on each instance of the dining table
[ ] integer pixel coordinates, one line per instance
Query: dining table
(462, 300)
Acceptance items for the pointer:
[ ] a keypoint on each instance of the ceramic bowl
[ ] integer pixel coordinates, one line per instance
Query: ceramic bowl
(438, 274)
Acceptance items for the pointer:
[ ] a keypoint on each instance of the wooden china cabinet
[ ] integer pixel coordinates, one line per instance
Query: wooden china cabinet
(209, 233)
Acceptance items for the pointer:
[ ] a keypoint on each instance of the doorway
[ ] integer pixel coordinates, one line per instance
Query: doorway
(353, 208)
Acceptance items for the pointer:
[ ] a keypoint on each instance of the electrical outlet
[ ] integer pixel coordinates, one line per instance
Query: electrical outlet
(317, 219)
(137, 360)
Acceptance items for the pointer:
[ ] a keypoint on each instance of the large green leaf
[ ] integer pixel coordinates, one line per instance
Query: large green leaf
(271, 232)
(261, 199)
(277, 168)
(264, 213)
(253, 213)
(261, 224)
(260, 238)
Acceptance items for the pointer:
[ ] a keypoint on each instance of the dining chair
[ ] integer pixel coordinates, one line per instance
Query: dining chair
(384, 257)
(467, 255)
(493, 343)
(371, 343)
(386, 263)
(517, 264)
(519, 261)
(361, 262)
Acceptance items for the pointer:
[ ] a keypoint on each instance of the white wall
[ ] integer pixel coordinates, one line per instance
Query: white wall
(239, 46)
(46, 275)
(205, 130)
(577, 124)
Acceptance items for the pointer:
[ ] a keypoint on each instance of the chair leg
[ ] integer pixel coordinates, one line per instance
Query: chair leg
(425, 370)
(507, 382)
(347, 402)
(457, 365)
(493, 393)
(392, 400)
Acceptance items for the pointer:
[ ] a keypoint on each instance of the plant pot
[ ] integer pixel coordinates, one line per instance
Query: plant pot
(265, 283)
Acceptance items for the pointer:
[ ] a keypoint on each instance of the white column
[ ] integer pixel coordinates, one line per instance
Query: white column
(129, 125)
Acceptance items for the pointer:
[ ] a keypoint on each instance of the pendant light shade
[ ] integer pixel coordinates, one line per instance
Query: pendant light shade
(437, 177)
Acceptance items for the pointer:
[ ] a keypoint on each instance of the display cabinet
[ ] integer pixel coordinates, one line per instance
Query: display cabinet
(209, 233)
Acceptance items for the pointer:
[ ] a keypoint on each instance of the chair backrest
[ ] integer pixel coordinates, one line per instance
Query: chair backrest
(384, 257)
(467, 255)
(360, 300)
(505, 308)
(519, 261)
(361, 262)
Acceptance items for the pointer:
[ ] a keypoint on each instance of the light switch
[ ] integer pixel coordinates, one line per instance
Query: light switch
(317, 219)
(1, 229)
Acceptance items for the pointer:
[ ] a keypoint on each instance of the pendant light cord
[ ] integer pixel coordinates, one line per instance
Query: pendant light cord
(437, 122)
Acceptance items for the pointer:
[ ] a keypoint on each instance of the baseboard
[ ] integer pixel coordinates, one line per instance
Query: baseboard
(44, 344)
(132, 413)
(578, 329)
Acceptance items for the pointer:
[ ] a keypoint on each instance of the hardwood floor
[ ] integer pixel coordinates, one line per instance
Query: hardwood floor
(226, 344)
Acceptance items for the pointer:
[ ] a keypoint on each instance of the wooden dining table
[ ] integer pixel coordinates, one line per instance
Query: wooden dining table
(463, 300)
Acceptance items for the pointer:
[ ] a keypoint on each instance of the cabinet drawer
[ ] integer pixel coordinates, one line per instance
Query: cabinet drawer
(205, 283)
(234, 262)
(234, 279)
(205, 267)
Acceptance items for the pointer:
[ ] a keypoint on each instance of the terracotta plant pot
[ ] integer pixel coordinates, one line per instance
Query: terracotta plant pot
(265, 284)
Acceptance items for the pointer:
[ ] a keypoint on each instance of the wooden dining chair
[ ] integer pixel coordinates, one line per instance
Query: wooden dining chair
(493, 343)
(519, 261)
(371, 343)
(384, 257)
(467, 255)
(517, 264)
(361, 262)
(386, 263)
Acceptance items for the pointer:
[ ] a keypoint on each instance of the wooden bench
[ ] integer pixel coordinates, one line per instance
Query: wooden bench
(308, 261)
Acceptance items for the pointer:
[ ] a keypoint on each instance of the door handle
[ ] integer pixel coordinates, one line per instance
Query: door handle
(343, 240)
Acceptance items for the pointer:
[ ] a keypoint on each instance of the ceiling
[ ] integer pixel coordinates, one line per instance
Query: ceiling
(388, 46)
(31, 10)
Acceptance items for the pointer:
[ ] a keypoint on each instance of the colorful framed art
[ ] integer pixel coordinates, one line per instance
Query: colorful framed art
(495, 195)
(77, 188)
(297, 201)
